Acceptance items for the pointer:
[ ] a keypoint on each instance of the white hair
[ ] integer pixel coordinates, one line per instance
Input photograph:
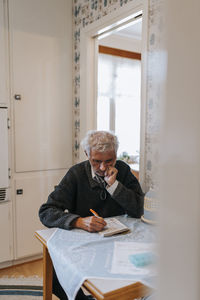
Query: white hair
(101, 141)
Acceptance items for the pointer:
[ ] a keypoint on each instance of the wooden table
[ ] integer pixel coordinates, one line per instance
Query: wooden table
(108, 289)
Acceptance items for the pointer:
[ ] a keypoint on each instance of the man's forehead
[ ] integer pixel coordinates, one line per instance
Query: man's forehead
(102, 155)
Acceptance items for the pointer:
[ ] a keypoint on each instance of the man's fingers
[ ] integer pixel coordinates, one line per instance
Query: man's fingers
(111, 175)
(99, 220)
(96, 221)
(96, 224)
(111, 171)
(91, 224)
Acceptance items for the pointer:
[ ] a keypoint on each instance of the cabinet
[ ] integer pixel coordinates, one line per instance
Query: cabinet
(41, 42)
(3, 151)
(39, 63)
(6, 225)
(3, 53)
(31, 192)
(6, 248)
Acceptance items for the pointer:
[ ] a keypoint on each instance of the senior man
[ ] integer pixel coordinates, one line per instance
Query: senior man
(102, 183)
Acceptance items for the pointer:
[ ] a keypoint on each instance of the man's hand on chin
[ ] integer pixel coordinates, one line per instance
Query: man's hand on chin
(110, 175)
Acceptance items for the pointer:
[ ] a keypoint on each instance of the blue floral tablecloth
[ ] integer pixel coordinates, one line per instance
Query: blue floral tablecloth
(78, 255)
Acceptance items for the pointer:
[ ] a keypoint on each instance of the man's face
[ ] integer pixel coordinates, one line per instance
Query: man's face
(100, 161)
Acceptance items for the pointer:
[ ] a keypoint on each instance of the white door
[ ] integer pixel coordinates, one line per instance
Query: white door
(41, 63)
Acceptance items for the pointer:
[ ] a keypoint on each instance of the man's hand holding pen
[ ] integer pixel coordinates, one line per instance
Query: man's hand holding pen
(92, 224)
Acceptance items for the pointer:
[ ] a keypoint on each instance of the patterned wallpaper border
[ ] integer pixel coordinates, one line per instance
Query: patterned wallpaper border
(86, 12)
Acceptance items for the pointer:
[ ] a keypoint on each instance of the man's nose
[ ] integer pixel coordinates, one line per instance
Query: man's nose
(102, 166)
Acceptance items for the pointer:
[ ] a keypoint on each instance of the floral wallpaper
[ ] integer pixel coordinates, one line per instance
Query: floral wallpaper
(88, 11)
(154, 90)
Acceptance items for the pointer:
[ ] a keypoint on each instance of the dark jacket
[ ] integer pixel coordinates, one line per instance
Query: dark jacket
(78, 192)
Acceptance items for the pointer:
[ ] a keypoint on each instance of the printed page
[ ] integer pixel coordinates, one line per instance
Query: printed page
(113, 227)
(121, 263)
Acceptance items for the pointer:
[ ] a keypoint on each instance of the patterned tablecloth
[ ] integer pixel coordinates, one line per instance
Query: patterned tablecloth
(78, 255)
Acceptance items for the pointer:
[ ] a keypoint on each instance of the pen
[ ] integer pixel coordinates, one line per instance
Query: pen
(94, 213)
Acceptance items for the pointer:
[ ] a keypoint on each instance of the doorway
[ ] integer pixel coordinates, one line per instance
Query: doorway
(119, 87)
(88, 69)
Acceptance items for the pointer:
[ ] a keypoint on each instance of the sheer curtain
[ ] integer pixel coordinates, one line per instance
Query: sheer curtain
(118, 105)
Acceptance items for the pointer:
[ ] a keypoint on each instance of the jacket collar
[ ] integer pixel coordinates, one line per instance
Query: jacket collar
(93, 183)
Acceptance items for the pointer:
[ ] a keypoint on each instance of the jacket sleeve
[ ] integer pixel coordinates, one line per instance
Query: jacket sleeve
(56, 212)
(129, 194)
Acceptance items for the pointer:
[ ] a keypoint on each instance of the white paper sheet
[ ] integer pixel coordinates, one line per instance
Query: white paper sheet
(121, 263)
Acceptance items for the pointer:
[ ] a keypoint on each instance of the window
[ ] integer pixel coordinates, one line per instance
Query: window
(118, 104)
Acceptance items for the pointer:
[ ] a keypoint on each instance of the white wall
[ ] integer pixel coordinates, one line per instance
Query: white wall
(180, 155)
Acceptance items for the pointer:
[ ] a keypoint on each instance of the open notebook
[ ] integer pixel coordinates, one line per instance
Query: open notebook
(113, 226)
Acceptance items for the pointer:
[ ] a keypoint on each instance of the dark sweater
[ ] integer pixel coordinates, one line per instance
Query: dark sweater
(78, 192)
